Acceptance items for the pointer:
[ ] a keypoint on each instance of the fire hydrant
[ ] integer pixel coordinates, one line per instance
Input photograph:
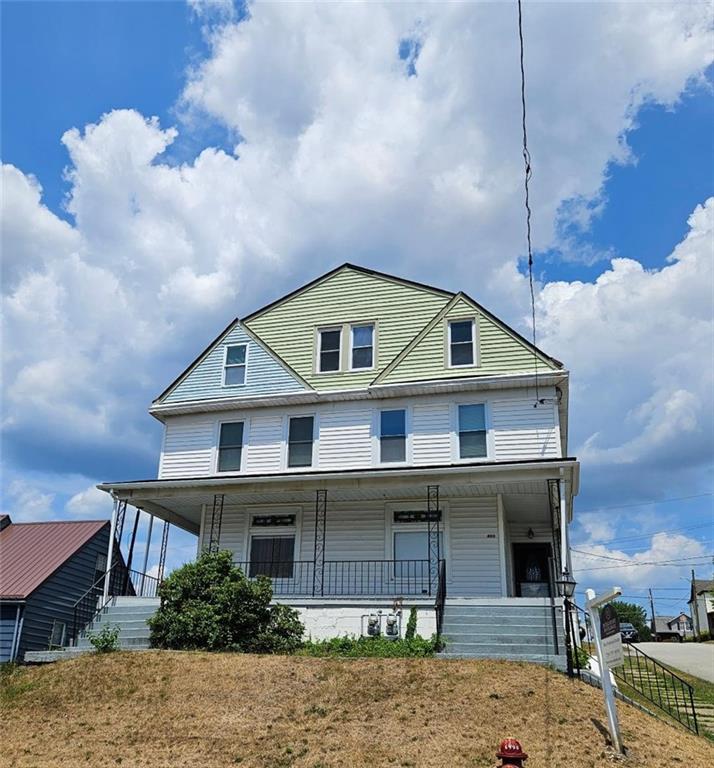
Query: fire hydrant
(511, 753)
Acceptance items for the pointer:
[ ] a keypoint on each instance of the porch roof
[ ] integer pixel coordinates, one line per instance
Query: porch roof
(180, 500)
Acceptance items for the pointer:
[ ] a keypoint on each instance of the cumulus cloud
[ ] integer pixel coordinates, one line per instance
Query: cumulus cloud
(26, 504)
(90, 502)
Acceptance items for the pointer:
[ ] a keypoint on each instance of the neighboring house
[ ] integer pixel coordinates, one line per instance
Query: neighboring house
(672, 627)
(45, 568)
(701, 606)
(365, 440)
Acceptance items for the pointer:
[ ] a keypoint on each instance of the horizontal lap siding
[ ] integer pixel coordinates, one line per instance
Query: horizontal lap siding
(398, 310)
(188, 447)
(56, 597)
(431, 443)
(265, 445)
(522, 431)
(475, 564)
(345, 438)
(264, 374)
(233, 527)
(8, 617)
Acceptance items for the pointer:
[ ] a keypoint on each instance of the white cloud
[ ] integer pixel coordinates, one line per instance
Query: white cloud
(26, 504)
(90, 502)
(346, 157)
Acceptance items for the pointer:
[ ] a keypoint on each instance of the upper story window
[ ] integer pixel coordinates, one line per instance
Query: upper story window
(329, 352)
(462, 343)
(235, 365)
(362, 346)
(230, 446)
(393, 436)
(300, 441)
(472, 431)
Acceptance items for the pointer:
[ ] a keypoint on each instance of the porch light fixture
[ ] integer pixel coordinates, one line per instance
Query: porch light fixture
(566, 585)
(530, 533)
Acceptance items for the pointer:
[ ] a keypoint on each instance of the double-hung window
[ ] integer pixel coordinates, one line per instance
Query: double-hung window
(393, 436)
(230, 446)
(300, 441)
(462, 346)
(235, 365)
(272, 556)
(472, 431)
(329, 352)
(362, 346)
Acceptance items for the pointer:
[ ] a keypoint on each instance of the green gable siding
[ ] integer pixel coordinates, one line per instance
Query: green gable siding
(499, 352)
(264, 374)
(398, 310)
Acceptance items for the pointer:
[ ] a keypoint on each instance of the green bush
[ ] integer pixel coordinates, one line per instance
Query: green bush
(355, 647)
(106, 640)
(211, 605)
(411, 624)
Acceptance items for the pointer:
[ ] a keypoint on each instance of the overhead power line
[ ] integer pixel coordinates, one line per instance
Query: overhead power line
(679, 561)
(648, 502)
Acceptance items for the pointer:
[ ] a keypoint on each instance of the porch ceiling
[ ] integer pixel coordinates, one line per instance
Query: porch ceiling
(181, 501)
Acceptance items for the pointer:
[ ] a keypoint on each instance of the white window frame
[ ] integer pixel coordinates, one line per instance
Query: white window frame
(367, 324)
(286, 441)
(227, 365)
(217, 444)
(318, 346)
(455, 445)
(390, 528)
(377, 435)
(474, 341)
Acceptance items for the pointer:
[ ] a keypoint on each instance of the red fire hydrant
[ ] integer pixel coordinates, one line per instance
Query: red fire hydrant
(511, 753)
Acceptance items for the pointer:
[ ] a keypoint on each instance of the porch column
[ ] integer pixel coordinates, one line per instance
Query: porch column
(146, 552)
(216, 522)
(162, 552)
(564, 554)
(433, 523)
(318, 564)
(130, 555)
(110, 552)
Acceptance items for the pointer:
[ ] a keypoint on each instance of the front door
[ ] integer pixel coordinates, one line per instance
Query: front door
(532, 568)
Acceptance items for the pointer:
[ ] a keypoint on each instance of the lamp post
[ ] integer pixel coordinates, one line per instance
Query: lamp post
(566, 589)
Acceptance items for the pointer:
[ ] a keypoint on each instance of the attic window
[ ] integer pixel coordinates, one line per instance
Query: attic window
(462, 346)
(329, 352)
(235, 365)
(362, 346)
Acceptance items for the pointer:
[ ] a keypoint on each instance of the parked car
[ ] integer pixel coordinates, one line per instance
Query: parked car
(628, 633)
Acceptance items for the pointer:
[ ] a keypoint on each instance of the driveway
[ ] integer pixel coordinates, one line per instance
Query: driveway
(695, 658)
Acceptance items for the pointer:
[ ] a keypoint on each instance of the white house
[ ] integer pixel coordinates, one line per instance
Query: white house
(374, 444)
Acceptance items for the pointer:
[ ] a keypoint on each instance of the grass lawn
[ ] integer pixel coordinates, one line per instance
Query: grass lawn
(174, 710)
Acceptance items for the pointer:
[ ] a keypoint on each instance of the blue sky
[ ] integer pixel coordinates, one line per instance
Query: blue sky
(215, 78)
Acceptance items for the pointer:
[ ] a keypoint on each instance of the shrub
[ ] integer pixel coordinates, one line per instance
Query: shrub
(411, 624)
(211, 605)
(106, 640)
(355, 647)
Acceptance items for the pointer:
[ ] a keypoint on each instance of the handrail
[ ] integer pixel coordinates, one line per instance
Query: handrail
(440, 598)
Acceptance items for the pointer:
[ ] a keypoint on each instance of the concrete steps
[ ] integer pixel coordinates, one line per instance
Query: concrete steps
(512, 630)
(130, 615)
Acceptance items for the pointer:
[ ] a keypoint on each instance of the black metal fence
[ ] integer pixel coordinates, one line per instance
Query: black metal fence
(345, 578)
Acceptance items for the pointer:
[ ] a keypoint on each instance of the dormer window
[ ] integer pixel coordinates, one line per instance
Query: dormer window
(330, 350)
(234, 368)
(462, 343)
(362, 355)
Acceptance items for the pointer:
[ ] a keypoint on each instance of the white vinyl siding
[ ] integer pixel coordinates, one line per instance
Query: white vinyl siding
(347, 434)
(474, 560)
(431, 441)
(188, 448)
(524, 432)
(345, 438)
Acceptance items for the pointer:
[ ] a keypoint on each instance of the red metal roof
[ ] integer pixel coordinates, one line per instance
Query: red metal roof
(31, 552)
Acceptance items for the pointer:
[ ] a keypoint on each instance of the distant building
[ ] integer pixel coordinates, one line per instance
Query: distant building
(45, 568)
(701, 606)
(672, 627)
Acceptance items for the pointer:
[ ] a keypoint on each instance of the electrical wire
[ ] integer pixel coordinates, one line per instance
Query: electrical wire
(668, 563)
(647, 503)
(527, 177)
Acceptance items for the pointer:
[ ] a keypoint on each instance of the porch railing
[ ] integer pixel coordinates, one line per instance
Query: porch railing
(346, 578)
(122, 583)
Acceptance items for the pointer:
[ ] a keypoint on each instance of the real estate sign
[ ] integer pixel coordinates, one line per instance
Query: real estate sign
(611, 640)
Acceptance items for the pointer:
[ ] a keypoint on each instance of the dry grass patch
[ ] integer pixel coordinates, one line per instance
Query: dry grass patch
(173, 709)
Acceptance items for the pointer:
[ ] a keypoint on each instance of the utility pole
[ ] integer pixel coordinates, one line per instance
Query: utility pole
(695, 608)
(654, 626)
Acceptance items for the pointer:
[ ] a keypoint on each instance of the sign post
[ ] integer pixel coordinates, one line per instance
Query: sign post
(609, 649)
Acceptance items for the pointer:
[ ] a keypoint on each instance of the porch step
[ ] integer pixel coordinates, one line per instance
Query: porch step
(550, 659)
(130, 616)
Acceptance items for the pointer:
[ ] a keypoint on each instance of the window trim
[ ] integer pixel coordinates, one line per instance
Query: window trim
(318, 346)
(390, 528)
(217, 444)
(227, 365)
(407, 436)
(474, 341)
(288, 530)
(286, 441)
(455, 446)
(371, 324)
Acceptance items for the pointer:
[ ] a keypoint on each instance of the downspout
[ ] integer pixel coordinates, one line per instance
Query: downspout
(564, 549)
(110, 552)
